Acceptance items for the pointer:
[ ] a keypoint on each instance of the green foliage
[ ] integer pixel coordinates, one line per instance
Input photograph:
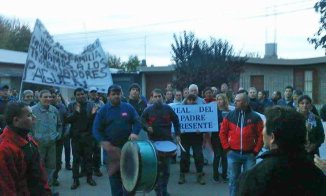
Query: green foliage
(204, 63)
(132, 64)
(14, 35)
(114, 62)
(129, 66)
(319, 38)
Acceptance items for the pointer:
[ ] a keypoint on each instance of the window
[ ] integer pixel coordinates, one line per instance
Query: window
(308, 83)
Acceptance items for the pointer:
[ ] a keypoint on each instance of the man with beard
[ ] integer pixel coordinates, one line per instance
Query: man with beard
(285, 168)
(80, 115)
(22, 172)
(156, 120)
(115, 123)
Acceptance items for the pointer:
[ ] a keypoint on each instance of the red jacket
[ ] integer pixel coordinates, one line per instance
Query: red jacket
(21, 171)
(242, 131)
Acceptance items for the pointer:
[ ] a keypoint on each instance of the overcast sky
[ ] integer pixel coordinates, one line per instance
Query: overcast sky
(145, 27)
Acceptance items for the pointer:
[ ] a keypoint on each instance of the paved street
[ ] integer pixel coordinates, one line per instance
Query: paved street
(191, 188)
(103, 188)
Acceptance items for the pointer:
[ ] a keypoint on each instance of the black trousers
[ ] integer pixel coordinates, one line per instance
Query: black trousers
(194, 141)
(82, 149)
(60, 144)
(219, 156)
(96, 155)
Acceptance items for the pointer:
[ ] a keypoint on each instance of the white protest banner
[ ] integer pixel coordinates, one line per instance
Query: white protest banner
(48, 63)
(202, 117)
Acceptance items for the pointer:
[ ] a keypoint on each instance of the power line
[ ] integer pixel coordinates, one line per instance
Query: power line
(112, 33)
(125, 28)
(79, 43)
(279, 13)
(289, 3)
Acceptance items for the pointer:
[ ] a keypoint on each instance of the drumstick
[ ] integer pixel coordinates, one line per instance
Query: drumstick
(182, 148)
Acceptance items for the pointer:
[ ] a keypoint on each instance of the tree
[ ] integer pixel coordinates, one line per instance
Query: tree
(132, 64)
(115, 62)
(204, 63)
(14, 35)
(319, 38)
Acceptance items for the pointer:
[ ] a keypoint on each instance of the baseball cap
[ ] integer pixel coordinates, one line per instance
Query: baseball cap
(93, 89)
(114, 87)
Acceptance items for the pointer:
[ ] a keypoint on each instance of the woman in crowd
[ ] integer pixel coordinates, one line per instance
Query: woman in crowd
(219, 154)
(315, 131)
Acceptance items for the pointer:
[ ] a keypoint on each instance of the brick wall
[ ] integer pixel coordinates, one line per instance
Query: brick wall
(321, 77)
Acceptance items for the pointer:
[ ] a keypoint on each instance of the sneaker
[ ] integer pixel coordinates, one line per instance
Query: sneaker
(200, 179)
(182, 178)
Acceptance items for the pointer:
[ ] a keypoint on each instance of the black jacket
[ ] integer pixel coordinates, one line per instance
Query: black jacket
(160, 117)
(80, 121)
(139, 105)
(278, 174)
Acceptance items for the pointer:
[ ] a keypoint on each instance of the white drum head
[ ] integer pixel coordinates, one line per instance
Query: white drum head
(165, 146)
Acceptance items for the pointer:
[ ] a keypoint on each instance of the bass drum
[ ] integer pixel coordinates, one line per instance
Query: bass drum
(139, 166)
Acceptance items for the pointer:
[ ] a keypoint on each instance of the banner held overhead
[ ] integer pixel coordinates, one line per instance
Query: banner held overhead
(48, 63)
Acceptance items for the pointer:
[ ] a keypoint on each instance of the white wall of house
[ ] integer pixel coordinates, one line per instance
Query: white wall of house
(275, 78)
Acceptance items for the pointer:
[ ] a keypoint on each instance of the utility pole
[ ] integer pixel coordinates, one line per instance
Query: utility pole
(145, 47)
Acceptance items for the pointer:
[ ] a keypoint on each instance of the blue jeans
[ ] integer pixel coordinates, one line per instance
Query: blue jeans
(235, 161)
(117, 187)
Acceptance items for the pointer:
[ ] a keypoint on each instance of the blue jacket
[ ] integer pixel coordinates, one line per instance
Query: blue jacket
(116, 123)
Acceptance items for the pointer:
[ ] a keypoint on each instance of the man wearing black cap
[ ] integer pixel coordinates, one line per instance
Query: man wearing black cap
(135, 99)
(138, 103)
(115, 123)
(93, 97)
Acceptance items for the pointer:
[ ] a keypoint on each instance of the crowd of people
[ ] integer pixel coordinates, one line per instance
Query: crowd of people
(36, 130)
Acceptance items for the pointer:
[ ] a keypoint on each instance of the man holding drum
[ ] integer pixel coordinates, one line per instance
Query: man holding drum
(156, 120)
(115, 123)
